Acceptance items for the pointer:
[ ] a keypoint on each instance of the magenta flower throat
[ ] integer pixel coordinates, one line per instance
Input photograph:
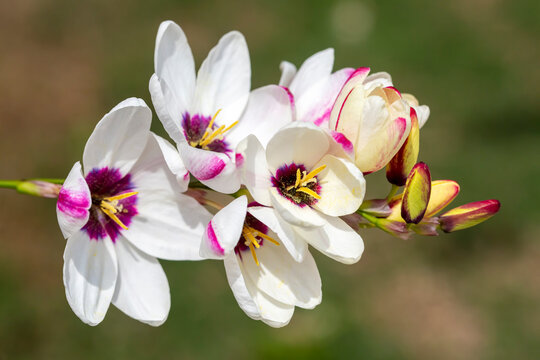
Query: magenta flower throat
(113, 203)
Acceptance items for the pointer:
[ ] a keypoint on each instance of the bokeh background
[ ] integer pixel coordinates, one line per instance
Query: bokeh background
(474, 294)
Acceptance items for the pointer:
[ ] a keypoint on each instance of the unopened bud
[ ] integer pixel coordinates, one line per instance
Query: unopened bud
(468, 215)
(443, 192)
(416, 194)
(402, 163)
(39, 188)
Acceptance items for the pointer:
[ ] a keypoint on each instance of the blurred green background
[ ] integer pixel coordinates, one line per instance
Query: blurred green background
(474, 294)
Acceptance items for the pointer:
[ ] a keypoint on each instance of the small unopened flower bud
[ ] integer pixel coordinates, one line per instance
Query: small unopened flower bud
(39, 188)
(376, 207)
(417, 193)
(468, 215)
(402, 163)
(443, 192)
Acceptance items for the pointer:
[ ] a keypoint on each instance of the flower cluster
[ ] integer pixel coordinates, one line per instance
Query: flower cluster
(291, 158)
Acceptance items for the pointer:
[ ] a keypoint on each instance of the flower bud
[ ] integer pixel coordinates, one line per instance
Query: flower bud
(373, 116)
(416, 194)
(468, 215)
(402, 163)
(443, 192)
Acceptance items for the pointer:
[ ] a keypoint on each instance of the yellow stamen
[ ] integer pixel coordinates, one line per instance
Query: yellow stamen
(313, 173)
(112, 215)
(310, 192)
(230, 126)
(264, 236)
(253, 254)
(211, 137)
(251, 238)
(298, 178)
(209, 127)
(121, 196)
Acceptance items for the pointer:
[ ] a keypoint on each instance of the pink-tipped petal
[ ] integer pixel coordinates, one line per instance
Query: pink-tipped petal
(74, 201)
(216, 170)
(224, 230)
(416, 194)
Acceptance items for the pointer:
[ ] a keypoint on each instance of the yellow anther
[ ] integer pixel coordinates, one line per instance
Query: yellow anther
(112, 215)
(121, 196)
(266, 237)
(211, 137)
(253, 254)
(209, 127)
(105, 205)
(313, 173)
(251, 238)
(310, 192)
(230, 126)
(298, 178)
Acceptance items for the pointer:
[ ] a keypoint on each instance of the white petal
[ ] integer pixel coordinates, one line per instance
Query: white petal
(169, 225)
(342, 187)
(119, 138)
(173, 63)
(294, 214)
(282, 278)
(142, 290)
(254, 170)
(268, 110)
(90, 272)
(174, 161)
(288, 71)
(215, 170)
(315, 104)
(224, 79)
(422, 112)
(254, 303)
(316, 67)
(382, 79)
(224, 230)
(74, 201)
(296, 245)
(167, 109)
(349, 104)
(300, 143)
(337, 240)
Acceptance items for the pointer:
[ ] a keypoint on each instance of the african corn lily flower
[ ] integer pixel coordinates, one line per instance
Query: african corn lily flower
(265, 279)
(307, 180)
(314, 87)
(209, 113)
(120, 213)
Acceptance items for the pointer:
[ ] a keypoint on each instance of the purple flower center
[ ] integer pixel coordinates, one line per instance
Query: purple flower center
(202, 133)
(105, 184)
(297, 185)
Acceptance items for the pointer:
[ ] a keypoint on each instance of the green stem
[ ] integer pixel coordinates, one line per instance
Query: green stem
(393, 191)
(10, 184)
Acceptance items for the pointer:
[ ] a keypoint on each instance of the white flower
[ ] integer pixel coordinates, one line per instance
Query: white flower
(314, 86)
(203, 113)
(266, 281)
(122, 212)
(309, 181)
(375, 117)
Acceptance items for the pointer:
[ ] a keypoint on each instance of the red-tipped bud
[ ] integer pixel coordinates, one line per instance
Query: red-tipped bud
(468, 215)
(402, 163)
(416, 194)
